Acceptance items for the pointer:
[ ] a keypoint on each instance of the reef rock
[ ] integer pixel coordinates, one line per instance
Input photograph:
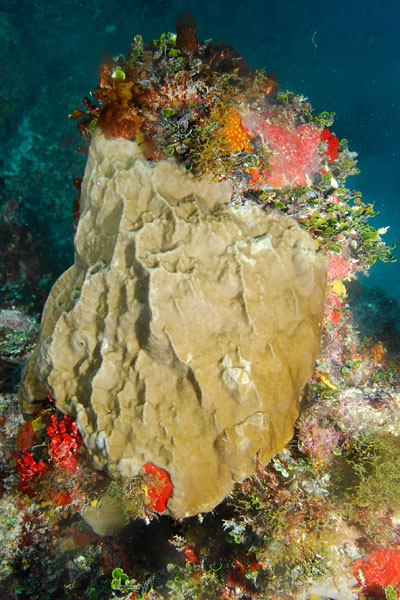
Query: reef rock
(185, 330)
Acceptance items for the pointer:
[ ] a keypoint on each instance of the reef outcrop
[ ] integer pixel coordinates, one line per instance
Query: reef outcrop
(185, 330)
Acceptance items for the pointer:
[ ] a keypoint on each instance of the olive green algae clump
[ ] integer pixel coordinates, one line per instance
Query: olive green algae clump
(185, 330)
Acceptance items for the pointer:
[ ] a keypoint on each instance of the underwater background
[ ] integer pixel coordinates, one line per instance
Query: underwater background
(343, 56)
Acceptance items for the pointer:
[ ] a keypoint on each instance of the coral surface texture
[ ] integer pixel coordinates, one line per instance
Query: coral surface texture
(184, 332)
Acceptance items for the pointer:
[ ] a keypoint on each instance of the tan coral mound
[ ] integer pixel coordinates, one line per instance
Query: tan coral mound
(185, 330)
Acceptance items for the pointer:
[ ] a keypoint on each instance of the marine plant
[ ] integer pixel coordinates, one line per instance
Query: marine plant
(201, 104)
(289, 530)
(366, 479)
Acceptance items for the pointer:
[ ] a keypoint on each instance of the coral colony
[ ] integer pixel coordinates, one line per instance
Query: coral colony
(322, 518)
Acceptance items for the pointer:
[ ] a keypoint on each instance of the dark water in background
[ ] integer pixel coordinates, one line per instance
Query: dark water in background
(344, 56)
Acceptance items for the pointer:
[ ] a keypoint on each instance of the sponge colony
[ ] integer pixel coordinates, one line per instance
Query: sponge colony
(184, 332)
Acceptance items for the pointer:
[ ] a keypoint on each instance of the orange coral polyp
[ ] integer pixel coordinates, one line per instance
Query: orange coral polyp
(236, 136)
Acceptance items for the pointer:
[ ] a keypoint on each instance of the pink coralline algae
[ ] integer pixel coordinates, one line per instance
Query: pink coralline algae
(178, 91)
(295, 150)
(339, 267)
(319, 441)
(65, 440)
(333, 307)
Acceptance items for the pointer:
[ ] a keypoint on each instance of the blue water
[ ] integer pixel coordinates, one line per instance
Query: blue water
(344, 56)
